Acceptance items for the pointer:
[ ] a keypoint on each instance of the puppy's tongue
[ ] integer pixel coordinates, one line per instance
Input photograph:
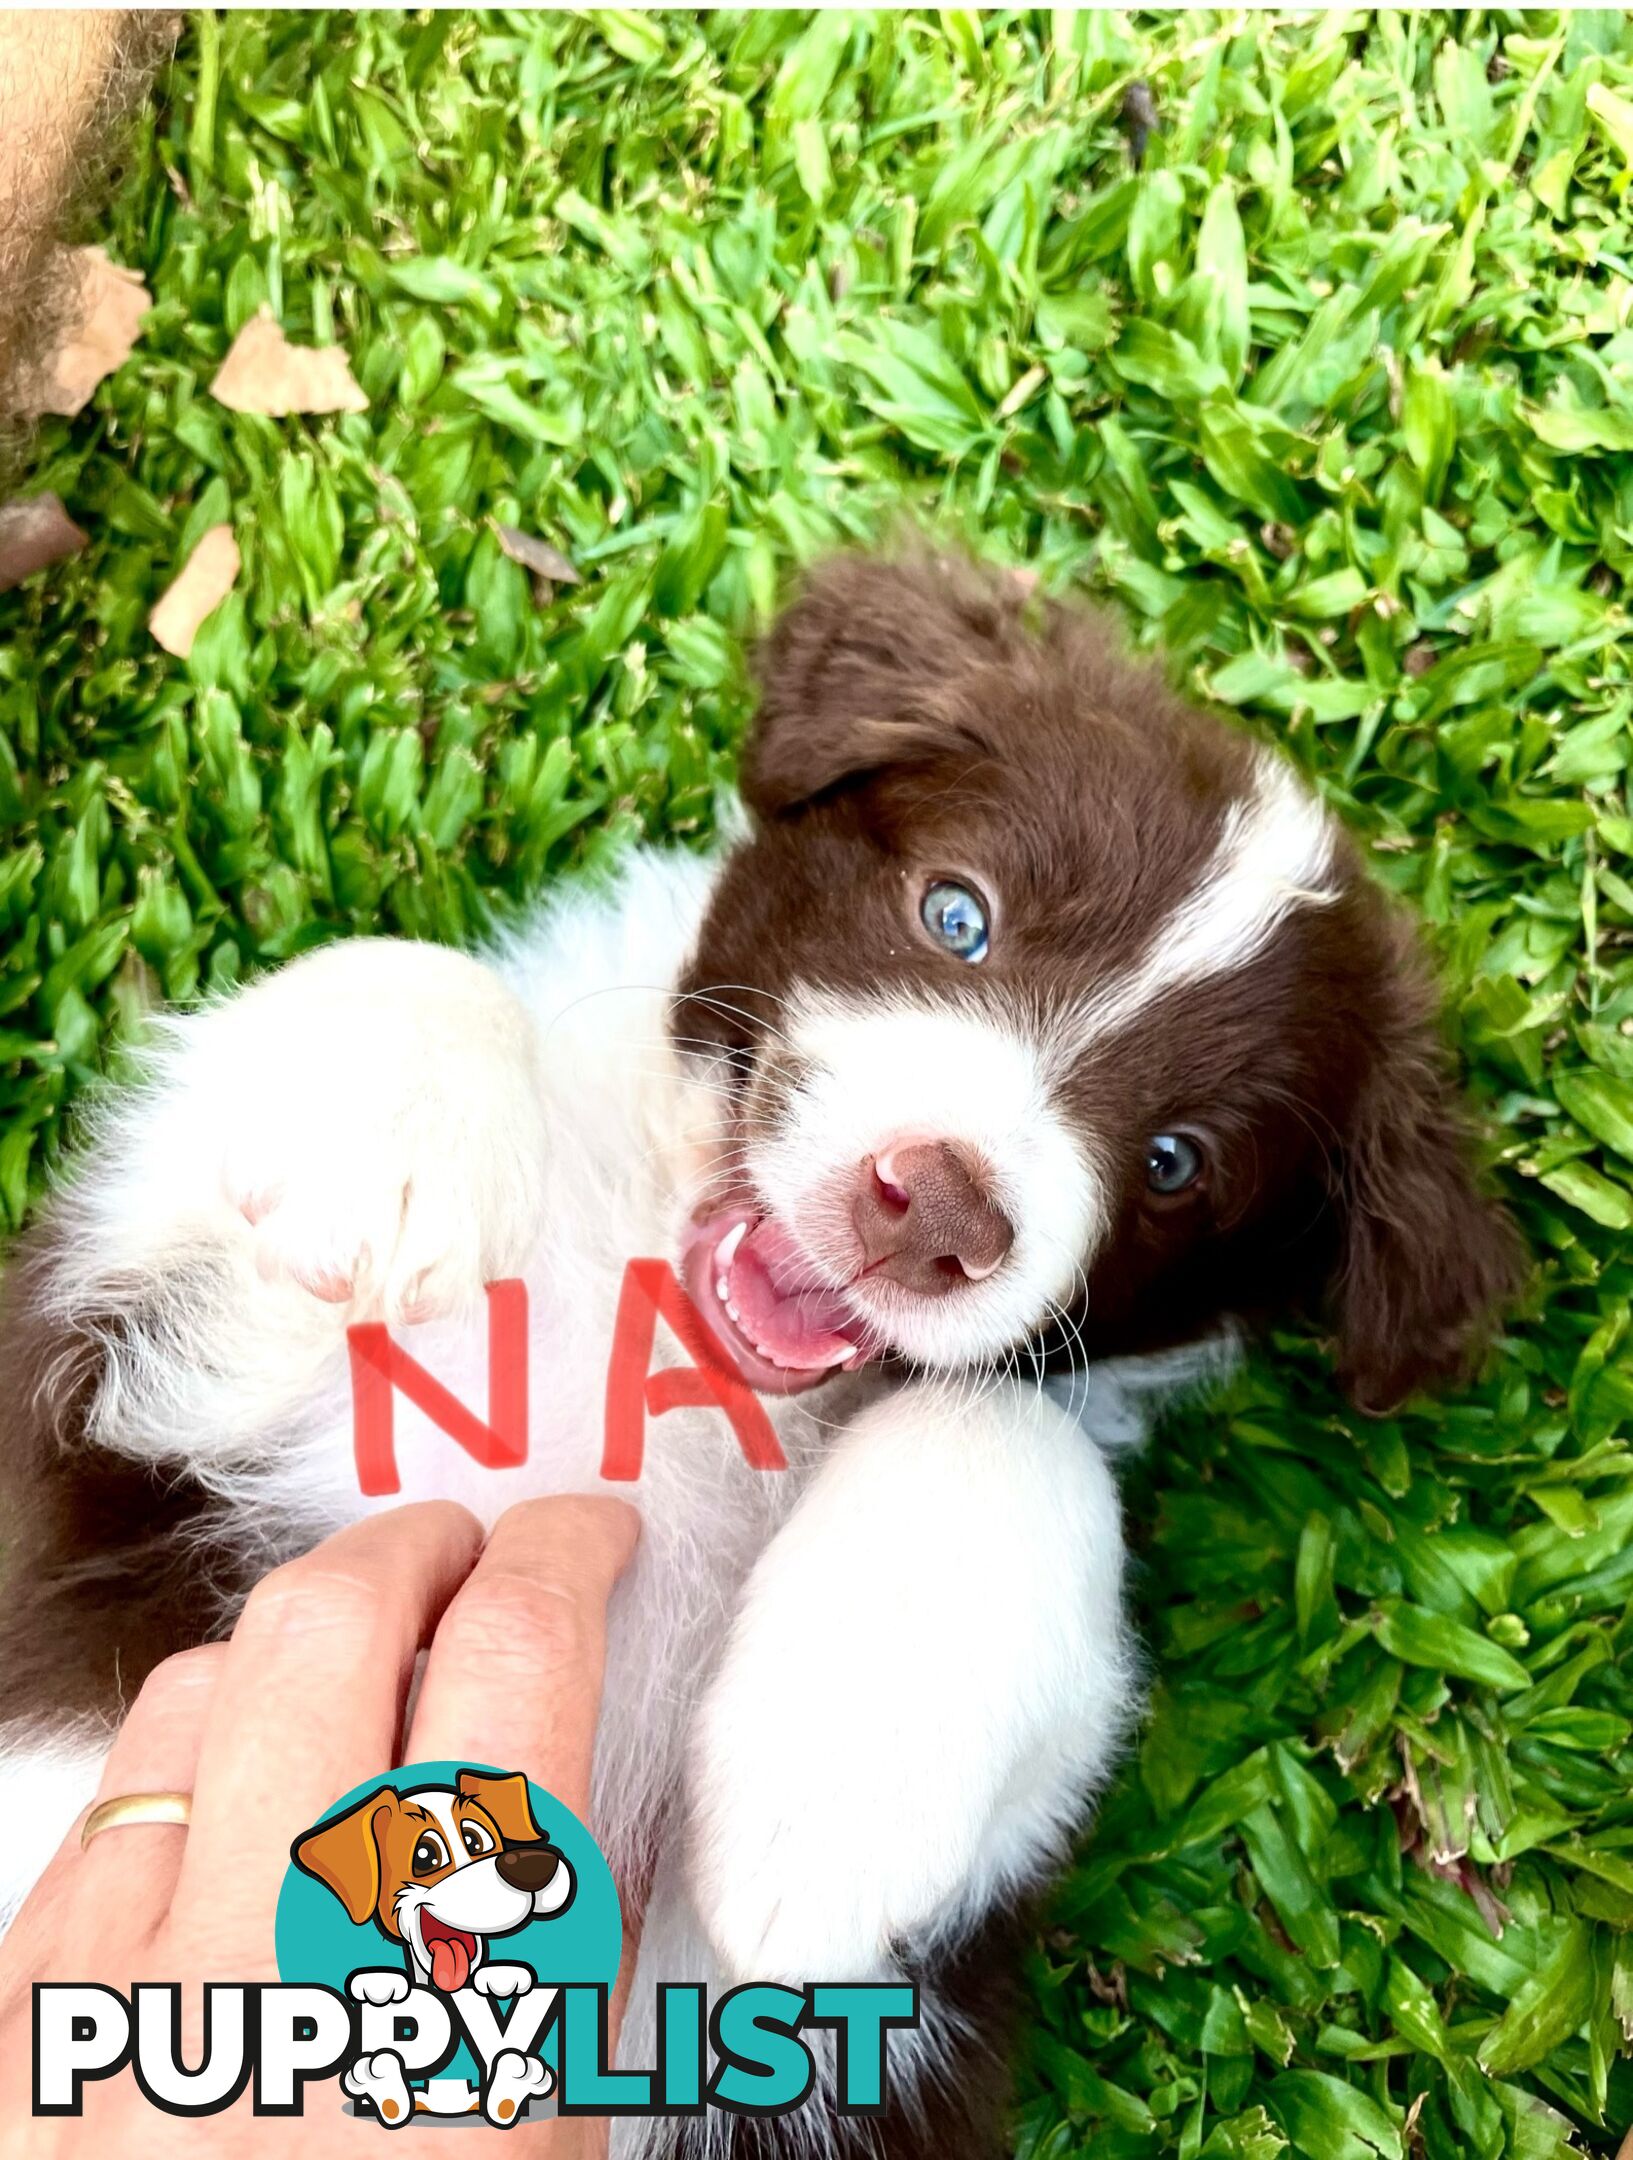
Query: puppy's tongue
(778, 1322)
(450, 1957)
(784, 1309)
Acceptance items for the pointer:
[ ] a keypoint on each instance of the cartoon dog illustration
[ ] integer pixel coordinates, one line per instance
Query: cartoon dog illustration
(442, 1870)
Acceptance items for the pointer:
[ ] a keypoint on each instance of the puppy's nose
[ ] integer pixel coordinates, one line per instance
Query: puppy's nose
(528, 1867)
(925, 1220)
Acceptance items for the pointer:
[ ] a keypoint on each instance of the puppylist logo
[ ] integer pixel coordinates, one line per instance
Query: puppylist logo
(448, 1937)
(448, 1885)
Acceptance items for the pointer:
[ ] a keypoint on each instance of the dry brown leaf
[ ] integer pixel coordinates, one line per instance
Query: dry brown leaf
(34, 532)
(264, 373)
(206, 579)
(548, 565)
(537, 555)
(105, 325)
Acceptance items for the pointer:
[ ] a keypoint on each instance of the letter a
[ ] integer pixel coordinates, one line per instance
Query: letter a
(635, 1392)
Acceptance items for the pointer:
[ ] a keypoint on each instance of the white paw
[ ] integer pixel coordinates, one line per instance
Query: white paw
(378, 1988)
(379, 2079)
(877, 1779)
(811, 1849)
(774, 1897)
(383, 1125)
(502, 1981)
(516, 2079)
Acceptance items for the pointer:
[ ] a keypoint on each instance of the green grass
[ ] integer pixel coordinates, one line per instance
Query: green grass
(1334, 399)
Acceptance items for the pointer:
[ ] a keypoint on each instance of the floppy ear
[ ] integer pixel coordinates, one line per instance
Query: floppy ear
(506, 1800)
(877, 663)
(344, 1854)
(1425, 1258)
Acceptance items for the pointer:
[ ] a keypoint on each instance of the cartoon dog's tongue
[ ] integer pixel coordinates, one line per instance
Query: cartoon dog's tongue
(451, 1952)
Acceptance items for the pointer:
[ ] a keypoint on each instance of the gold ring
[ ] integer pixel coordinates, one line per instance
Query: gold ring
(136, 1807)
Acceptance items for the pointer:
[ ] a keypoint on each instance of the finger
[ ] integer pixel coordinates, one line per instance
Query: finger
(309, 1704)
(155, 1750)
(514, 1676)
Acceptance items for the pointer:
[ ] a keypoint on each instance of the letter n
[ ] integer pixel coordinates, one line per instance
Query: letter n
(635, 1392)
(381, 1366)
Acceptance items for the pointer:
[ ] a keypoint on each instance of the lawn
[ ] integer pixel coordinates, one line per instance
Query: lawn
(1330, 396)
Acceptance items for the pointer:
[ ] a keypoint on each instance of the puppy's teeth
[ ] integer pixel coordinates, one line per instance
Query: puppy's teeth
(736, 1315)
(720, 1288)
(787, 1364)
(726, 1251)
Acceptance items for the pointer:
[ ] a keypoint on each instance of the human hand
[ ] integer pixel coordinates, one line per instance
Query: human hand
(305, 1701)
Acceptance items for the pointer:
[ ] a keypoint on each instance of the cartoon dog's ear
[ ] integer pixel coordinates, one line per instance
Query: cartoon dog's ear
(876, 663)
(505, 1799)
(344, 1854)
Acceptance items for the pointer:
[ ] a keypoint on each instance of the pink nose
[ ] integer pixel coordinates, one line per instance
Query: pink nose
(925, 1220)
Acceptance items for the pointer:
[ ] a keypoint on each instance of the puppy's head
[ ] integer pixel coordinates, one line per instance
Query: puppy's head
(1048, 1017)
(440, 1869)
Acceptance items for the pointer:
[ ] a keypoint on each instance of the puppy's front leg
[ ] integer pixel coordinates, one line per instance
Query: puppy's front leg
(369, 1115)
(360, 1135)
(929, 1673)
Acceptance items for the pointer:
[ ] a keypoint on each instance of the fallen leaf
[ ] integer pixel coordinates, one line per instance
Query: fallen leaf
(1139, 116)
(206, 579)
(105, 325)
(1279, 539)
(34, 532)
(264, 373)
(535, 554)
(549, 566)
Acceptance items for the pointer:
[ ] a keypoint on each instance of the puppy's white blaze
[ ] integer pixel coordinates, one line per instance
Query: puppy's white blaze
(1275, 853)
(880, 1069)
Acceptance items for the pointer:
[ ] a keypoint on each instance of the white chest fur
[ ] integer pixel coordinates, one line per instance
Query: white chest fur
(880, 1681)
(623, 1131)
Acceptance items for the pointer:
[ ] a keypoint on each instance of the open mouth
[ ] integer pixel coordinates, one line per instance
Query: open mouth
(779, 1324)
(452, 1952)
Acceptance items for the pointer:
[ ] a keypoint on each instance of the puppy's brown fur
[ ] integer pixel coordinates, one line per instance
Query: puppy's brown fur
(919, 718)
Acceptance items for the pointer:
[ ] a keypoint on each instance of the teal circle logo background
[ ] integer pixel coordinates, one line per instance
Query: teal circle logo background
(316, 1941)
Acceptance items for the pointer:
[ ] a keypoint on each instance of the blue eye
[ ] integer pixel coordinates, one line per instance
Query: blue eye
(956, 919)
(1172, 1162)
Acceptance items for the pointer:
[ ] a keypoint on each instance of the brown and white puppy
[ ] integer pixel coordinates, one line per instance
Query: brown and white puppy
(1035, 1024)
(1188, 1066)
